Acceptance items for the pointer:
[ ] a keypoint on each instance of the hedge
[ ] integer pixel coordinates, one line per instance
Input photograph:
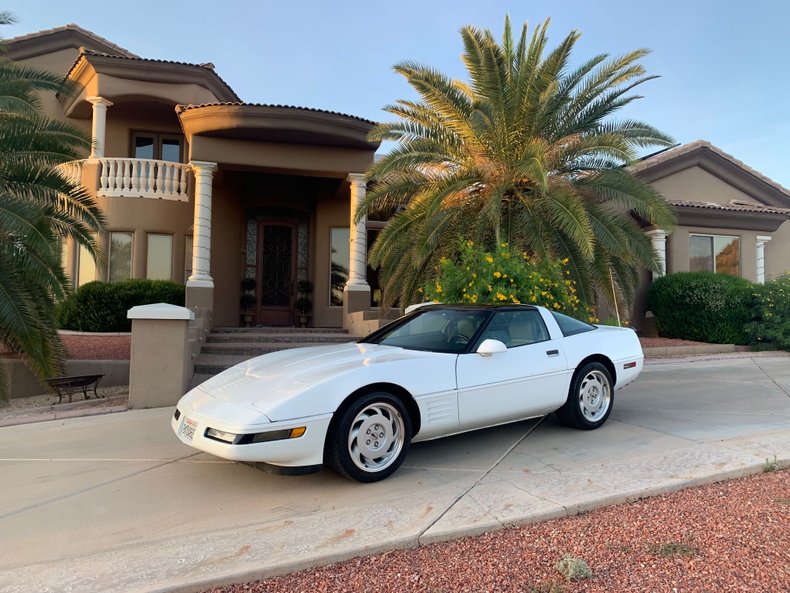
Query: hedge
(102, 306)
(702, 306)
(770, 328)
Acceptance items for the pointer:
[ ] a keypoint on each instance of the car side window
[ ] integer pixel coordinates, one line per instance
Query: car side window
(517, 328)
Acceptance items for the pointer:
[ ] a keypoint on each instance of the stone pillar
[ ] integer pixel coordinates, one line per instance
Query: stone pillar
(200, 285)
(761, 241)
(98, 125)
(356, 293)
(658, 237)
(161, 363)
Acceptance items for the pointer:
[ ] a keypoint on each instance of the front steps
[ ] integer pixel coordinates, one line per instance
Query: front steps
(228, 346)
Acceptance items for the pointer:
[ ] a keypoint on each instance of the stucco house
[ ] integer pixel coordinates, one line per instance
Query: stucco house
(731, 219)
(202, 188)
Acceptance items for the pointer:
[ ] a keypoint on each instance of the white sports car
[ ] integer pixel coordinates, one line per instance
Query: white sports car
(437, 371)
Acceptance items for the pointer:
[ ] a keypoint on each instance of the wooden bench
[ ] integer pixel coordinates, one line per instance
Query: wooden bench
(71, 385)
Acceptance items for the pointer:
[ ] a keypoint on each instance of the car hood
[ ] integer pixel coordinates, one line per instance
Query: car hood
(267, 381)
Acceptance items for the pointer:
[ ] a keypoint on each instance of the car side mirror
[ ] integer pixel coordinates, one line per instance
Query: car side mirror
(489, 347)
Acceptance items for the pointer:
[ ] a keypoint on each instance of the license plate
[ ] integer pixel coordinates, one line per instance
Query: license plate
(188, 428)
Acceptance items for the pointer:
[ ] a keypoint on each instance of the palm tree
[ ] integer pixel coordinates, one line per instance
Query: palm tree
(523, 153)
(39, 208)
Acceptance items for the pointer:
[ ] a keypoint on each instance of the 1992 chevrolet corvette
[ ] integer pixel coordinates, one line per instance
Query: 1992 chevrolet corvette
(437, 371)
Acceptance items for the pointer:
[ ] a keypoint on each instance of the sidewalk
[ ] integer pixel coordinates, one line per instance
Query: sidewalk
(116, 503)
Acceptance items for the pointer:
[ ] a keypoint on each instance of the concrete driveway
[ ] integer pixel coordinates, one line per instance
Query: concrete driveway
(117, 503)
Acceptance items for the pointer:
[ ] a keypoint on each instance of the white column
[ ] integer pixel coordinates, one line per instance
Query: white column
(358, 252)
(98, 125)
(201, 231)
(761, 241)
(658, 237)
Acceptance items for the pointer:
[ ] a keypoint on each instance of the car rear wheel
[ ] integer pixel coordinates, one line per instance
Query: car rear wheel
(370, 438)
(590, 398)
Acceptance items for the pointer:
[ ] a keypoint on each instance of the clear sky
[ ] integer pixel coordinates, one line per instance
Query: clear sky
(724, 64)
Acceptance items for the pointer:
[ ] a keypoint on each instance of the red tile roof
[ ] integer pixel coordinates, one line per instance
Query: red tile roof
(733, 206)
(207, 66)
(182, 108)
(72, 27)
(676, 151)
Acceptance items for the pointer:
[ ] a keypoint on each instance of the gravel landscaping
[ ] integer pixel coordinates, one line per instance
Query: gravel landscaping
(42, 407)
(81, 346)
(727, 537)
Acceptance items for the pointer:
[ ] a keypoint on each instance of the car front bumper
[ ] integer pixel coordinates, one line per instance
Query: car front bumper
(306, 451)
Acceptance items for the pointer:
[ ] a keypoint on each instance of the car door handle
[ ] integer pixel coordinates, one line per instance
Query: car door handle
(552, 352)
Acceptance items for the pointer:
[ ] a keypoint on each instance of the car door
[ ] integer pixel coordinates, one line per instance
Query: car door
(528, 379)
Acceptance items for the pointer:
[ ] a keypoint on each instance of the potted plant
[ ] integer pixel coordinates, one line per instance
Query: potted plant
(303, 305)
(247, 300)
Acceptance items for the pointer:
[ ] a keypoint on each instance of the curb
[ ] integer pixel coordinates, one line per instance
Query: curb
(659, 351)
(61, 415)
(413, 542)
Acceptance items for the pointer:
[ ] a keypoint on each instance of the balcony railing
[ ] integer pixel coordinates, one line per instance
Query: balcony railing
(146, 178)
(71, 171)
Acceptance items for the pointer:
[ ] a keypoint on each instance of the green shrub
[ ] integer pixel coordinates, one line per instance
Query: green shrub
(573, 568)
(504, 276)
(102, 306)
(771, 325)
(702, 306)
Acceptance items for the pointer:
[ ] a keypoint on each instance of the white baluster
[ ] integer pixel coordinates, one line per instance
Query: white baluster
(104, 179)
(145, 176)
(166, 172)
(172, 171)
(127, 178)
(134, 177)
(151, 176)
(116, 176)
(182, 187)
(159, 178)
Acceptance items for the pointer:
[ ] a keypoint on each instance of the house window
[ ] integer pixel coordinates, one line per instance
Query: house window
(371, 274)
(715, 253)
(120, 267)
(162, 147)
(339, 249)
(86, 267)
(338, 264)
(187, 257)
(160, 257)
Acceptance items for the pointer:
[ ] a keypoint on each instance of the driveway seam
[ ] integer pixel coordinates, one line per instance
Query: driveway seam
(782, 389)
(89, 488)
(481, 478)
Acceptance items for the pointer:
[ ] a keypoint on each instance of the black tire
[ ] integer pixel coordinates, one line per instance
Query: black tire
(376, 423)
(590, 398)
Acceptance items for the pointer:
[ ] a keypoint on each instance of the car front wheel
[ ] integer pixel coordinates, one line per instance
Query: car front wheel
(590, 398)
(370, 438)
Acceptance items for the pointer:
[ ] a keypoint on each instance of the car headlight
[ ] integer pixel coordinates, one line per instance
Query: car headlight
(221, 435)
(257, 437)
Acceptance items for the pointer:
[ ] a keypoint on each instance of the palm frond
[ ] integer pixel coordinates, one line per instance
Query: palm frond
(526, 150)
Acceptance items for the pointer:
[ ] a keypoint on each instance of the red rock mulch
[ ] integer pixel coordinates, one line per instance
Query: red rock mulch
(727, 537)
(667, 342)
(87, 347)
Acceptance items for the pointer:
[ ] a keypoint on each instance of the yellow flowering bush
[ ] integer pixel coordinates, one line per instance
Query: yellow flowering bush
(504, 276)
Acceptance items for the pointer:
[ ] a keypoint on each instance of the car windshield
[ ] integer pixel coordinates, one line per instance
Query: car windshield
(435, 330)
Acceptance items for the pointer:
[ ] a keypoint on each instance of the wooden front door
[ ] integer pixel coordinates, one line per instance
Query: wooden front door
(276, 272)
